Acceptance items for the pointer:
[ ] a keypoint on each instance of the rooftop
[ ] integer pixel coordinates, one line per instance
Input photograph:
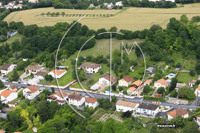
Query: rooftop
(125, 103)
(127, 78)
(58, 72)
(177, 111)
(163, 82)
(148, 106)
(91, 100)
(6, 93)
(90, 65)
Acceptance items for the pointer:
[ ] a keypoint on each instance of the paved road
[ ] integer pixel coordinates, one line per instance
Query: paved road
(136, 99)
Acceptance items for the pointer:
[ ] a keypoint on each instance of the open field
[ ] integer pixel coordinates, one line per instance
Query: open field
(189, 65)
(132, 18)
(185, 77)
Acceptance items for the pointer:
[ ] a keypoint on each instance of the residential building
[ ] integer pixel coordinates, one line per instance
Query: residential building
(91, 102)
(12, 3)
(198, 120)
(8, 95)
(131, 68)
(198, 91)
(148, 82)
(119, 3)
(179, 85)
(40, 75)
(12, 104)
(158, 95)
(0, 3)
(107, 80)
(192, 83)
(76, 99)
(133, 88)
(25, 59)
(124, 106)
(125, 81)
(147, 109)
(13, 88)
(20, 1)
(33, 1)
(57, 73)
(161, 83)
(7, 68)
(18, 6)
(176, 112)
(150, 69)
(91, 67)
(33, 69)
(60, 97)
(8, 7)
(31, 92)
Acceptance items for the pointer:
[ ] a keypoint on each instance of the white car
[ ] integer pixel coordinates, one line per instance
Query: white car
(176, 103)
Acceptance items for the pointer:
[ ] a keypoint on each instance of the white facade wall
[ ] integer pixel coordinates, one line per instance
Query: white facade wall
(93, 105)
(11, 97)
(30, 96)
(56, 76)
(76, 102)
(125, 108)
(9, 69)
(122, 82)
(146, 111)
(92, 70)
(158, 85)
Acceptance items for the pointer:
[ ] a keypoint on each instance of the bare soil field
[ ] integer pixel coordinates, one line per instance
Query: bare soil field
(132, 19)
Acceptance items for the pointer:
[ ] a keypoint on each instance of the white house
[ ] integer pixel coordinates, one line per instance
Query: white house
(125, 81)
(176, 112)
(91, 102)
(150, 69)
(13, 88)
(20, 1)
(198, 91)
(40, 75)
(33, 69)
(91, 67)
(119, 3)
(170, 0)
(7, 68)
(124, 106)
(8, 95)
(12, 3)
(8, 7)
(76, 100)
(147, 109)
(18, 6)
(133, 90)
(31, 92)
(198, 120)
(161, 83)
(192, 83)
(60, 97)
(110, 5)
(33, 1)
(107, 80)
(25, 59)
(148, 82)
(0, 3)
(12, 104)
(57, 73)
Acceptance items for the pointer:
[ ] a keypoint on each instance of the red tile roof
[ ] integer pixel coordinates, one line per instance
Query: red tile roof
(76, 97)
(13, 87)
(158, 95)
(60, 94)
(148, 81)
(6, 93)
(127, 78)
(90, 65)
(162, 82)
(199, 87)
(113, 78)
(33, 88)
(91, 100)
(58, 72)
(179, 111)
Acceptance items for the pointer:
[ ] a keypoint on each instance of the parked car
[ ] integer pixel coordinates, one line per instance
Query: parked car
(176, 103)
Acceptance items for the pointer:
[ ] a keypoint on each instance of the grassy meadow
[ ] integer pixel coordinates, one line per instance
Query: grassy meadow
(133, 18)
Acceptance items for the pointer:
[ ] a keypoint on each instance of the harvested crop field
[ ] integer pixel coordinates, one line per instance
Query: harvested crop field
(133, 18)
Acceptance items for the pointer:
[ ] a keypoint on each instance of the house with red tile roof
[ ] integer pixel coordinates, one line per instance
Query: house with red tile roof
(76, 99)
(18, 6)
(33, 1)
(60, 97)
(7, 68)
(136, 88)
(2, 131)
(33, 69)
(107, 80)
(91, 67)
(125, 81)
(8, 95)
(176, 112)
(192, 83)
(158, 95)
(31, 92)
(148, 82)
(161, 83)
(91, 102)
(57, 73)
(13, 88)
(124, 106)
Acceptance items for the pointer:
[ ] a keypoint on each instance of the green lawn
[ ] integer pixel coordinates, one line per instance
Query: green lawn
(12, 39)
(10, 74)
(67, 78)
(145, 120)
(177, 57)
(29, 77)
(185, 77)
(189, 65)
(142, 130)
(15, 100)
(28, 131)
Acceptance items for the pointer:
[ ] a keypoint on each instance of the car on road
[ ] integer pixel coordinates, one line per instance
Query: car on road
(176, 103)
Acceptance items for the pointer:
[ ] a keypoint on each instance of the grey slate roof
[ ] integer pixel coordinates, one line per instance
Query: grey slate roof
(148, 106)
